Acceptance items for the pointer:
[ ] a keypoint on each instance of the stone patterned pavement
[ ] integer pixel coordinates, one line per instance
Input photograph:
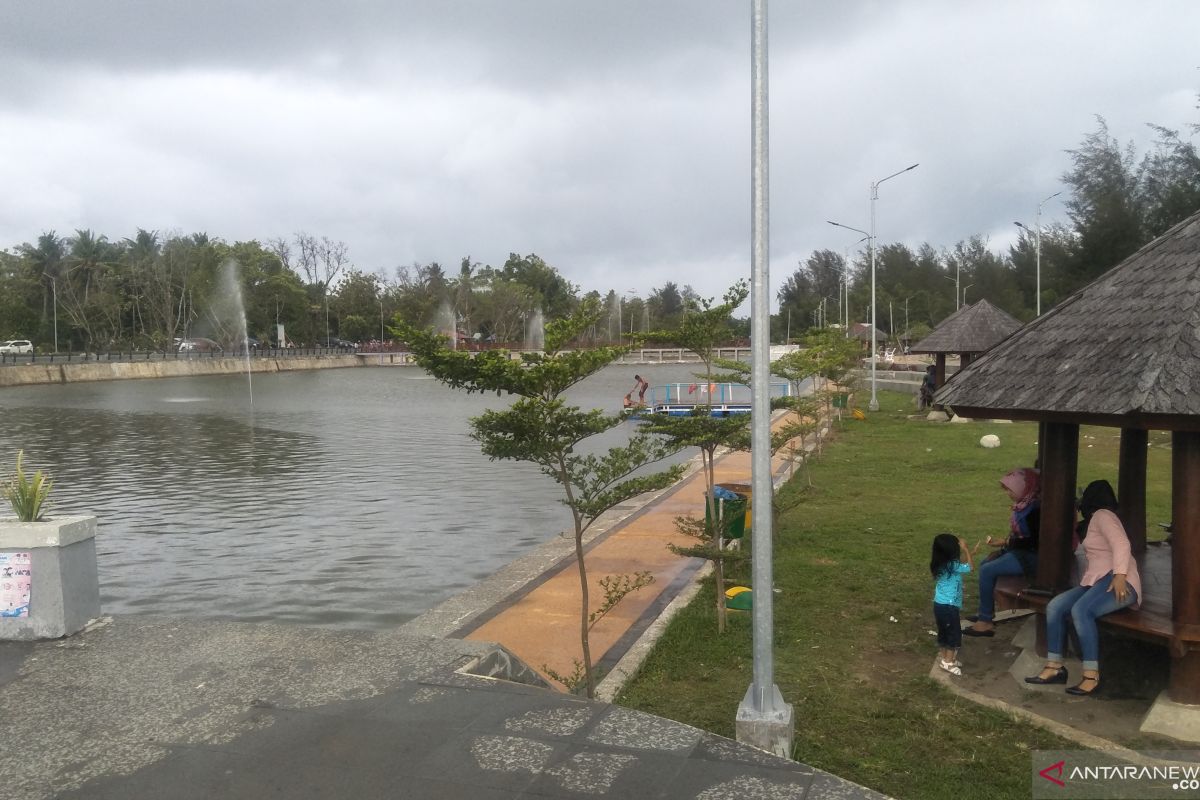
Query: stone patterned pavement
(146, 708)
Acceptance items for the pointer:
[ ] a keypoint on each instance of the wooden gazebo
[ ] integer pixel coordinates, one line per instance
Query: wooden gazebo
(969, 331)
(1122, 352)
(862, 332)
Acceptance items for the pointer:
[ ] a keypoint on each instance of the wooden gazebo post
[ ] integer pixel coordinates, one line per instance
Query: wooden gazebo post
(1131, 485)
(1184, 685)
(1060, 451)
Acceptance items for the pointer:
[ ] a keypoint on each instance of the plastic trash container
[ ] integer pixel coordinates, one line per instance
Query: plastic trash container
(733, 506)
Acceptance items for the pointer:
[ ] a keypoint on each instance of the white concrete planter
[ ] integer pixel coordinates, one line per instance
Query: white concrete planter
(64, 584)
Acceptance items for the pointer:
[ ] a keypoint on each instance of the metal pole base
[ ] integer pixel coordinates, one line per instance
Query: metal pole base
(873, 405)
(772, 729)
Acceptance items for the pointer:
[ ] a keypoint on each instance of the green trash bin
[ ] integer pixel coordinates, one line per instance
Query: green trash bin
(736, 513)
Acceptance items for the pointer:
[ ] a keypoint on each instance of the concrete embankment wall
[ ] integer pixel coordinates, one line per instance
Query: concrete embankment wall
(32, 374)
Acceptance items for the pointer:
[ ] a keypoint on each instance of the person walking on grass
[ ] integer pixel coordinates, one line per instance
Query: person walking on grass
(951, 558)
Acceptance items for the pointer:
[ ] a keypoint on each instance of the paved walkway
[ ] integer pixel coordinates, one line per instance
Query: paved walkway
(184, 709)
(540, 624)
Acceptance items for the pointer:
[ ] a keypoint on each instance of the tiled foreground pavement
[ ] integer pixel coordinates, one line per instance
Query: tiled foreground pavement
(146, 708)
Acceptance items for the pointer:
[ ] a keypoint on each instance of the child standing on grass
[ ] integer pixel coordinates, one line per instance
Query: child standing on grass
(950, 560)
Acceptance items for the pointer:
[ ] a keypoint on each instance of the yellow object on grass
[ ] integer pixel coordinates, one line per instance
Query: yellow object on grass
(739, 598)
(858, 414)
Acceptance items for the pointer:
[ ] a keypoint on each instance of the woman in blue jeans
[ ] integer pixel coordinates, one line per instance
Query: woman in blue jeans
(1110, 582)
(1018, 555)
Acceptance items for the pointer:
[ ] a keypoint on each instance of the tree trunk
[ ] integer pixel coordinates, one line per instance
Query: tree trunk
(589, 678)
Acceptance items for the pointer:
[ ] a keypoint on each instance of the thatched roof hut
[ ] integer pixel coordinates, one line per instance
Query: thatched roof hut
(967, 332)
(1124, 352)
(971, 330)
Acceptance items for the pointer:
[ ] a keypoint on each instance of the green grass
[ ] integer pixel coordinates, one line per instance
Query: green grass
(853, 552)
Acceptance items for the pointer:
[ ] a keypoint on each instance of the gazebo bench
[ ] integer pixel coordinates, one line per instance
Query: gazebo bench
(1147, 623)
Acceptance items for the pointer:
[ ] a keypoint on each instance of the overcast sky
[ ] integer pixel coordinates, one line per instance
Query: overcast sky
(610, 137)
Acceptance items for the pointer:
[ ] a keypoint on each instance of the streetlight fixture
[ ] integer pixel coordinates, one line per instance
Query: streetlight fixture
(1038, 237)
(866, 237)
(381, 329)
(844, 297)
(874, 405)
(54, 292)
(964, 294)
(763, 719)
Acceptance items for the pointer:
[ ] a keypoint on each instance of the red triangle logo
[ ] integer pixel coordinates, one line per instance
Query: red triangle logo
(1058, 768)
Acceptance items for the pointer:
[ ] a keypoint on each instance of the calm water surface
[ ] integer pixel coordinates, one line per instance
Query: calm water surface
(346, 497)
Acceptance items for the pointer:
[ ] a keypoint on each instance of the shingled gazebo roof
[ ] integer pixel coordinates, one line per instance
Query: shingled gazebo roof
(862, 331)
(1127, 345)
(971, 329)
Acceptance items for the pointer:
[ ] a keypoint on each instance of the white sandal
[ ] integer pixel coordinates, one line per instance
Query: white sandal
(953, 667)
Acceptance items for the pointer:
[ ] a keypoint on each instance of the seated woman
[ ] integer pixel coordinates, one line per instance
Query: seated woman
(1017, 555)
(1110, 582)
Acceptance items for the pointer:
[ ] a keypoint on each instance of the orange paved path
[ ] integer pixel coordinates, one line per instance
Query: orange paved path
(542, 626)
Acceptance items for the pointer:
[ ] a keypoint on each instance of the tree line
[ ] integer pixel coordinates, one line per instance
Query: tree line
(1116, 202)
(86, 291)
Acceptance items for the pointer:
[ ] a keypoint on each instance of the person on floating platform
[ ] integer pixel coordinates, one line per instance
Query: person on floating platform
(640, 387)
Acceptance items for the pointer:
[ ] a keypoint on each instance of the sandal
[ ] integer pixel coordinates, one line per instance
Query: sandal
(950, 666)
(1059, 676)
(1075, 690)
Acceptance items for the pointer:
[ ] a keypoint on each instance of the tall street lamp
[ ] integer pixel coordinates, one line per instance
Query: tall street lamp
(54, 292)
(844, 300)
(874, 405)
(964, 294)
(763, 719)
(866, 237)
(1038, 238)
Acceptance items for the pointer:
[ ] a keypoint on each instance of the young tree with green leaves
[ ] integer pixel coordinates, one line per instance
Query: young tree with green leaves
(702, 330)
(541, 428)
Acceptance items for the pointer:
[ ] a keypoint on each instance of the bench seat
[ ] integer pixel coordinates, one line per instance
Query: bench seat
(1152, 622)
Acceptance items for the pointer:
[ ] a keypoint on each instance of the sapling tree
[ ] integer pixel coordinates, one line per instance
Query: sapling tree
(542, 428)
(703, 329)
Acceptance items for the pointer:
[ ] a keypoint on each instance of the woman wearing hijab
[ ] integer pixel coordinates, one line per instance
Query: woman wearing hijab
(1110, 582)
(1017, 555)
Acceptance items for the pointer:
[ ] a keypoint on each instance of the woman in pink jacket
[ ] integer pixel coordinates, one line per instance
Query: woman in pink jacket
(1110, 582)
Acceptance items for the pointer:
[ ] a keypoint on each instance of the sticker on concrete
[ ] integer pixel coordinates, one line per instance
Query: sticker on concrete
(16, 576)
(625, 728)
(553, 721)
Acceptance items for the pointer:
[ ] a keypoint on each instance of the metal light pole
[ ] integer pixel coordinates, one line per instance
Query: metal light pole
(764, 720)
(906, 335)
(846, 274)
(866, 237)
(964, 295)
(1038, 238)
(381, 329)
(54, 293)
(874, 404)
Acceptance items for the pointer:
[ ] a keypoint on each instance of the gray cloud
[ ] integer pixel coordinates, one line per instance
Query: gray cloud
(611, 138)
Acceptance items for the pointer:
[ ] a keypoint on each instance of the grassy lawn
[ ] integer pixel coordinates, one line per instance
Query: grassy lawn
(853, 608)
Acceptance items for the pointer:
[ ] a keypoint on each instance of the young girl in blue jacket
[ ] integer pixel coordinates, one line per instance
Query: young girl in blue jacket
(950, 560)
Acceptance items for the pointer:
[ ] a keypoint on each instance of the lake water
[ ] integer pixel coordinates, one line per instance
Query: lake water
(345, 498)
